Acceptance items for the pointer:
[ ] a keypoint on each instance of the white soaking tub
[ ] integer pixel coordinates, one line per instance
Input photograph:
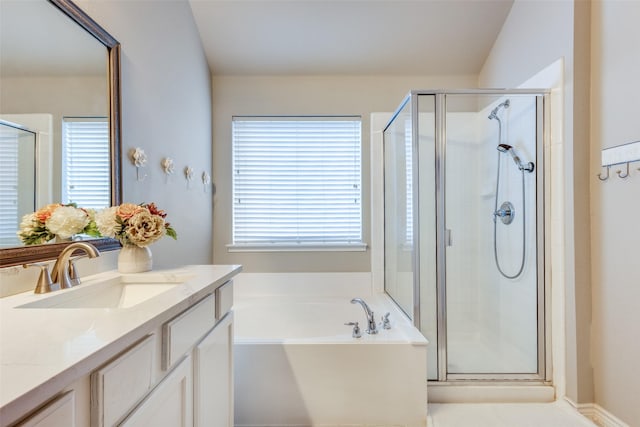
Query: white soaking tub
(296, 364)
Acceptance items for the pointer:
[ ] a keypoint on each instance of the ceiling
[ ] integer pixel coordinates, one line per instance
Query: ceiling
(352, 37)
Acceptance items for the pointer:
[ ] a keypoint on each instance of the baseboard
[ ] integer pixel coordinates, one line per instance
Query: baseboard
(598, 414)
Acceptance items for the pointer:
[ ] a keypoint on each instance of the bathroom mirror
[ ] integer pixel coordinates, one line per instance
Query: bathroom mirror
(53, 48)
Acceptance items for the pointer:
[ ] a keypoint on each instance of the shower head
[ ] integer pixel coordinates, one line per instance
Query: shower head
(494, 112)
(506, 148)
(503, 148)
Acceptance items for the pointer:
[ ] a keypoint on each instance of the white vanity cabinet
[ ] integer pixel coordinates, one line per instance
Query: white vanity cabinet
(188, 382)
(164, 361)
(169, 404)
(59, 412)
(123, 382)
(213, 376)
(213, 367)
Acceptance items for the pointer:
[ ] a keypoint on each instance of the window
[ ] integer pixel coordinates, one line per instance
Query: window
(297, 183)
(86, 162)
(9, 220)
(408, 148)
(17, 179)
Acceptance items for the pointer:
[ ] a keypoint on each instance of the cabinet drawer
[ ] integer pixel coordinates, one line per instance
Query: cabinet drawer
(183, 331)
(119, 385)
(170, 404)
(224, 299)
(60, 412)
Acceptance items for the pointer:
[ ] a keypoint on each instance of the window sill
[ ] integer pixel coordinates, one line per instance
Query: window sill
(297, 247)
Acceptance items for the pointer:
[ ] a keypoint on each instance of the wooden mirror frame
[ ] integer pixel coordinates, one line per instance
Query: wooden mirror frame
(36, 253)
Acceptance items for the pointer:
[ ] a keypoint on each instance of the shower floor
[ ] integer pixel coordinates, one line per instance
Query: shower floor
(478, 354)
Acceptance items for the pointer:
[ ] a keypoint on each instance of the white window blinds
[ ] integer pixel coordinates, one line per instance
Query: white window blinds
(409, 180)
(9, 220)
(297, 181)
(17, 179)
(86, 162)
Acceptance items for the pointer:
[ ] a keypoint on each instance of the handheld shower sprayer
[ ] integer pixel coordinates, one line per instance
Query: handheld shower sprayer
(506, 148)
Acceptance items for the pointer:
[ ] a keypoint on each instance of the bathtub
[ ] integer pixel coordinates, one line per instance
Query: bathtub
(297, 364)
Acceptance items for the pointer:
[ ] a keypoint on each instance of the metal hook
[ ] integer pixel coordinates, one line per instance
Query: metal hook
(601, 178)
(620, 172)
(138, 178)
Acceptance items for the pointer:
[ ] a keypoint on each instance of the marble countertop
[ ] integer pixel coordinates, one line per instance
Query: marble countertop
(44, 350)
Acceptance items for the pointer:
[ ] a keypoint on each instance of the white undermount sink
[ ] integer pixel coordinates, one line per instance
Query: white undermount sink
(123, 291)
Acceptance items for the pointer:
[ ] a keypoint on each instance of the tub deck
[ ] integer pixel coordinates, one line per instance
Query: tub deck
(296, 363)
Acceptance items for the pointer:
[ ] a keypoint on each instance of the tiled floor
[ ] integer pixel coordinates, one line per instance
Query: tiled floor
(557, 414)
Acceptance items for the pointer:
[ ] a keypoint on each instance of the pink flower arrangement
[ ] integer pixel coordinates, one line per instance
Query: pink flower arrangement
(131, 224)
(56, 220)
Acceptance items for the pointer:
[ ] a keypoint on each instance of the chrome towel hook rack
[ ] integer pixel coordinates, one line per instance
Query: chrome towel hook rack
(623, 154)
(619, 172)
(606, 177)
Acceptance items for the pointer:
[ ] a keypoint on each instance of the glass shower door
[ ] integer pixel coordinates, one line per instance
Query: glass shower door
(490, 219)
(399, 252)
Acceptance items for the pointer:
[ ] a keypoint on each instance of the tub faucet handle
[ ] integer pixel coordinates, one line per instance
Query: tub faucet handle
(356, 329)
(386, 323)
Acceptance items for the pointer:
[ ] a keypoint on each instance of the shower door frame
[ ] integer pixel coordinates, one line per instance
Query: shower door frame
(543, 374)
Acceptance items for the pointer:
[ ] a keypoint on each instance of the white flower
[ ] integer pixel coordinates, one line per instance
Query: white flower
(145, 228)
(106, 222)
(206, 179)
(67, 221)
(138, 157)
(27, 225)
(167, 165)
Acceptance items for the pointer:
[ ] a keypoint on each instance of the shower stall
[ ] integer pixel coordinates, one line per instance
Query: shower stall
(464, 221)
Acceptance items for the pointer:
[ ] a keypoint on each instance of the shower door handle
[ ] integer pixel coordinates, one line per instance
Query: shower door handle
(447, 237)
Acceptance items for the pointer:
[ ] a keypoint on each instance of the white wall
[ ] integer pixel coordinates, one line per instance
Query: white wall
(306, 95)
(166, 109)
(535, 35)
(614, 207)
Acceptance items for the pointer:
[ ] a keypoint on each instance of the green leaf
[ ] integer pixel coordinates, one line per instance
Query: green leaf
(172, 233)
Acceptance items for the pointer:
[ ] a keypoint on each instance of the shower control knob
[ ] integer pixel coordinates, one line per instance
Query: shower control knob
(356, 329)
(505, 213)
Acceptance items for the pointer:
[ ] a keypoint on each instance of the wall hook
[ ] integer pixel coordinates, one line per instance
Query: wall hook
(188, 174)
(604, 178)
(139, 160)
(626, 174)
(167, 165)
(206, 180)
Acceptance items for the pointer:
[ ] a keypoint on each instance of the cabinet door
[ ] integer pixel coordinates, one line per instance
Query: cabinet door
(60, 412)
(213, 376)
(169, 404)
(123, 382)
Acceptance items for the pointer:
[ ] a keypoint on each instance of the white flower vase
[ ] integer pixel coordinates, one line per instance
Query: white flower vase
(134, 259)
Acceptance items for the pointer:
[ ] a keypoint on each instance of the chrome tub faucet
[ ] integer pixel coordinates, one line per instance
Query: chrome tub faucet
(371, 321)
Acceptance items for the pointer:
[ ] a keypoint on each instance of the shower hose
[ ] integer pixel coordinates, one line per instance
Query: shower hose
(495, 226)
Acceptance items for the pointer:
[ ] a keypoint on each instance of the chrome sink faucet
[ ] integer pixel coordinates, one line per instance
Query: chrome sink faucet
(64, 264)
(371, 321)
